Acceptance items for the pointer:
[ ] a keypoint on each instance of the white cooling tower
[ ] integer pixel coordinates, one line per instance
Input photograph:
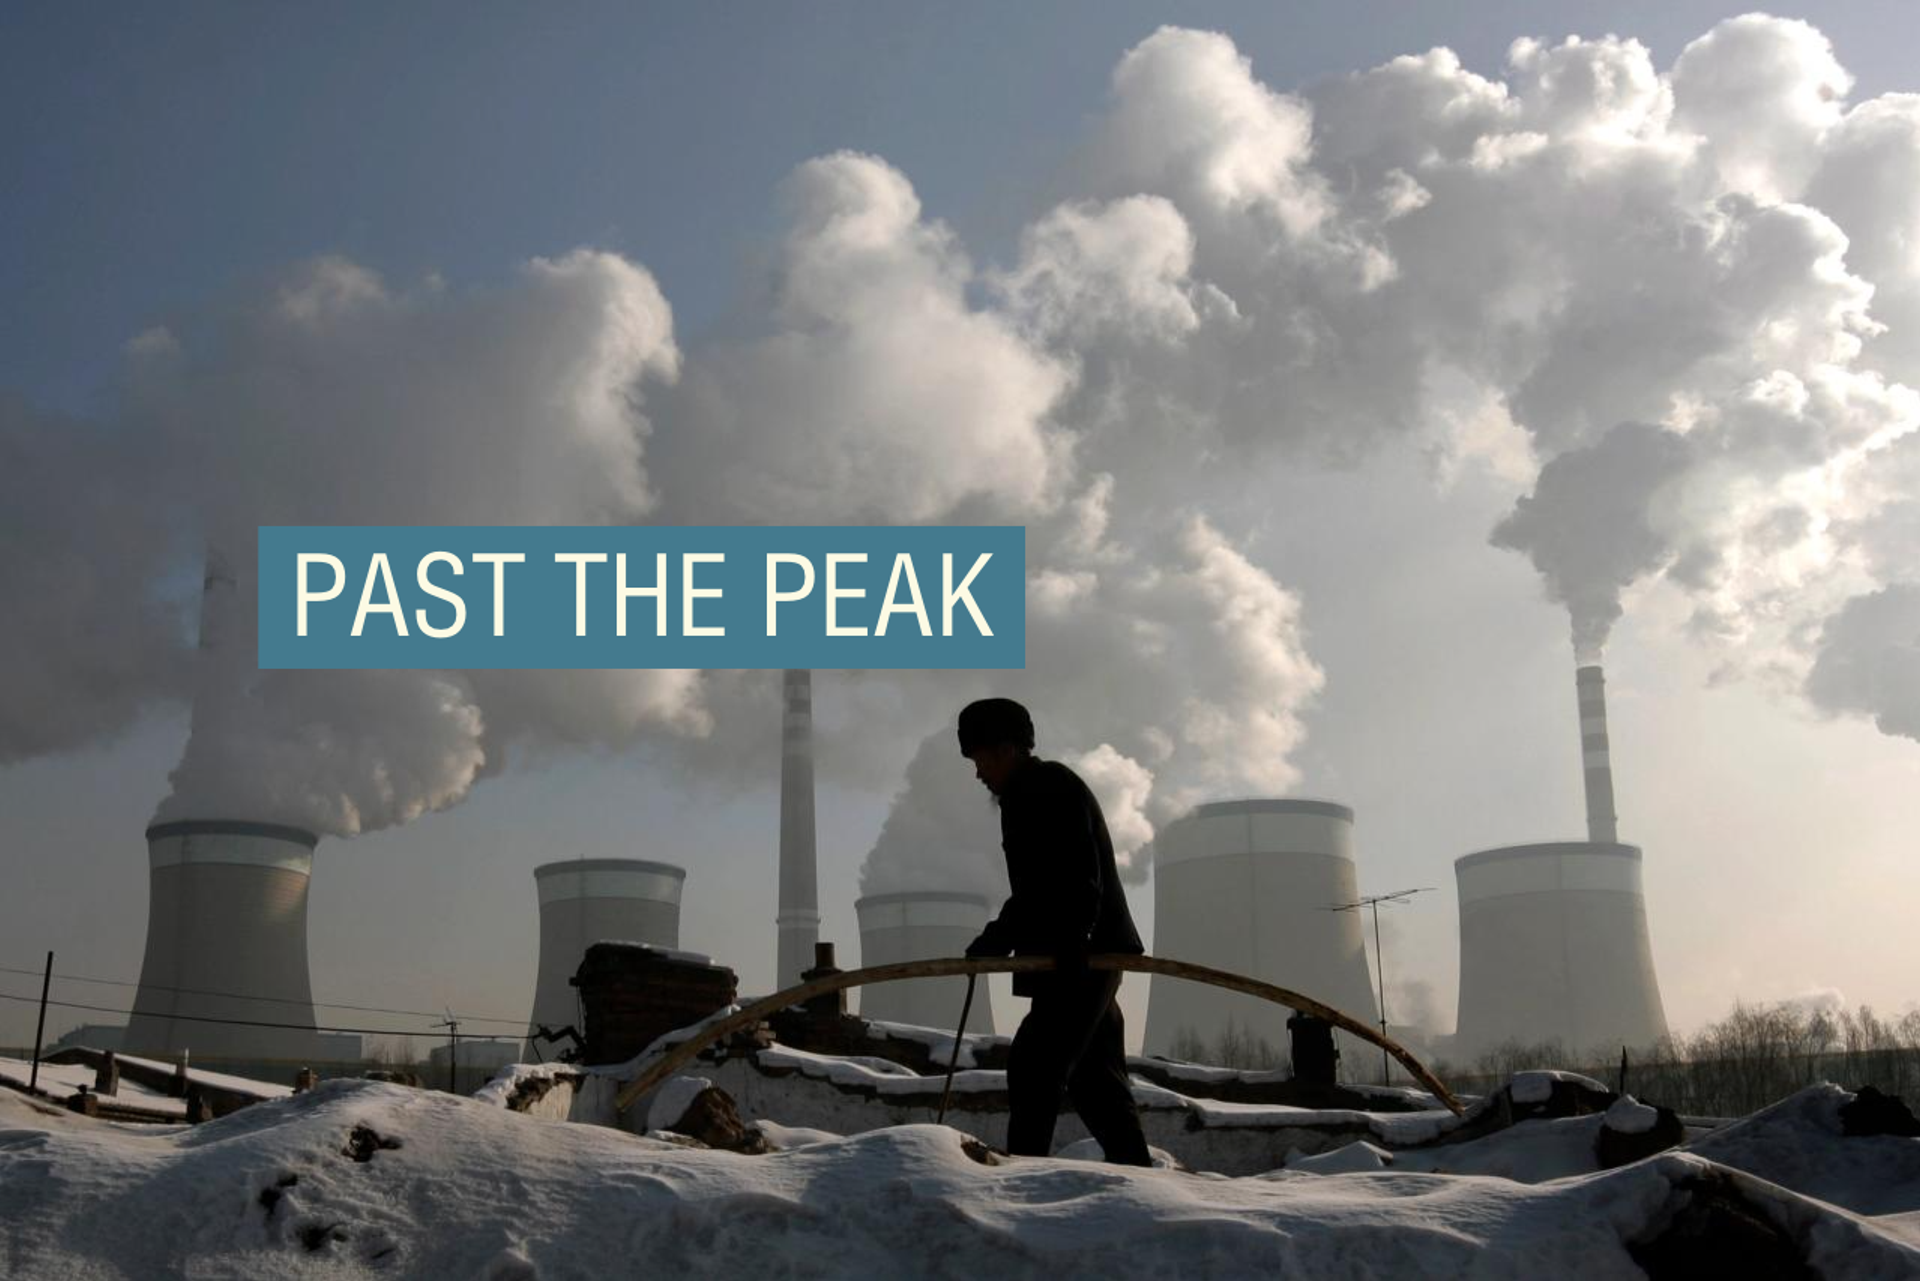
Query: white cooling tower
(798, 921)
(226, 943)
(917, 926)
(1248, 886)
(1554, 947)
(588, 901)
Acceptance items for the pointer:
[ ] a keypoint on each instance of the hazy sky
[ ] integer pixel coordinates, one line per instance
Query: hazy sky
(1120, 239)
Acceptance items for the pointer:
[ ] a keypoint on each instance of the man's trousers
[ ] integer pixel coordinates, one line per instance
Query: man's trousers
(1073, 1041)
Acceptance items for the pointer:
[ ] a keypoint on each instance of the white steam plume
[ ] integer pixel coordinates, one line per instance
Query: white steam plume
(1869, 660)
(942, 832)
(332, 399)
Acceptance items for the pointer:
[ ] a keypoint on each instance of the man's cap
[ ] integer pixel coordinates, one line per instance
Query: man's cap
(992, 721)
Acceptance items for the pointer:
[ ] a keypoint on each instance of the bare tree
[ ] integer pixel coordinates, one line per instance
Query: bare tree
(1233, 1047)
(1753, 1057)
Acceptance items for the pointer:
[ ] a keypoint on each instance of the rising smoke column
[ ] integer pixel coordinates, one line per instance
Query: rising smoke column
(1586, 243)
(1590, 524)
(1750, 493)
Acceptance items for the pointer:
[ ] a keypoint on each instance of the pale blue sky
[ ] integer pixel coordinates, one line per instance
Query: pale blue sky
(161, 153)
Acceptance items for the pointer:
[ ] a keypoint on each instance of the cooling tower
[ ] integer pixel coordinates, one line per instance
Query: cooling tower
(226, 943)
(1247, 886)
(1596, 756)
(917, 926)
(799, 917)
(1553, 947)
(588, 901)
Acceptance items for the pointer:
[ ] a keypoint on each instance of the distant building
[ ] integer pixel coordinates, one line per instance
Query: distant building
(477, 1054)
(93, 1036)
(341, 1047)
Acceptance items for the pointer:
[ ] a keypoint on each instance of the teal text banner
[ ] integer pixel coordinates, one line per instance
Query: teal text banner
(753, 596)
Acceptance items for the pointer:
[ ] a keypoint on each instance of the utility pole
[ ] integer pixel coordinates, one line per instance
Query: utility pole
(1372, 903)
(40, 1028)
(453, 1052)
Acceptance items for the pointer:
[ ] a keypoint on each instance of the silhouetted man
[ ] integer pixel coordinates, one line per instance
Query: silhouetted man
(1067, 903)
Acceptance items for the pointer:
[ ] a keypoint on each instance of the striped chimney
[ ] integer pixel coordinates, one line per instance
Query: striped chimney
(1596, 759)
(799, 918)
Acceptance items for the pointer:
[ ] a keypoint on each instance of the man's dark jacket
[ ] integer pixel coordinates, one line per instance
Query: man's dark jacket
(1066, 900)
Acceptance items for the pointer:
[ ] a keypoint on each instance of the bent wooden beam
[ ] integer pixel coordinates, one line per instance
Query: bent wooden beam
(677, 1056)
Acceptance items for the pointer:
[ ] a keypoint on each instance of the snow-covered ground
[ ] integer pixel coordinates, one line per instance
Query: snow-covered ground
(365, 1179)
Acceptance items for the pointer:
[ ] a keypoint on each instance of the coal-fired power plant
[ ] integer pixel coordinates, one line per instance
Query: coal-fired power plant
(588, 901)
(1249, 886)
(799, 913)
(226, 944)
(918, 926)
(1553, 936)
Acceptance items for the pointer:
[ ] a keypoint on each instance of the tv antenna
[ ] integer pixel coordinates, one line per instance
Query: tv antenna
(453, 1052)
(1372, 903)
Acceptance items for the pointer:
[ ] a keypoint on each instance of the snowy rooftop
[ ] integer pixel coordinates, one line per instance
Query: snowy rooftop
(64, 1080)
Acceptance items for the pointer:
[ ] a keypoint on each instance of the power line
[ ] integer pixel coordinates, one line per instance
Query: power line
(207, 1018)
(243, 996)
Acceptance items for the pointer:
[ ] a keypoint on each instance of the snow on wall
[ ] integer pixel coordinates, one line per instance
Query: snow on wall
(1537, 1086)
(855, 1095)
(1628, 1115)
(671, 1101)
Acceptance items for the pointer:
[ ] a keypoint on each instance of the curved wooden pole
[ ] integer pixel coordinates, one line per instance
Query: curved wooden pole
(748, 1016)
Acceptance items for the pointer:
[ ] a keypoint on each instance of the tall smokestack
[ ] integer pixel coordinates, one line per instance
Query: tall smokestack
(216, 609)
(799, 918)
(1596, 759)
